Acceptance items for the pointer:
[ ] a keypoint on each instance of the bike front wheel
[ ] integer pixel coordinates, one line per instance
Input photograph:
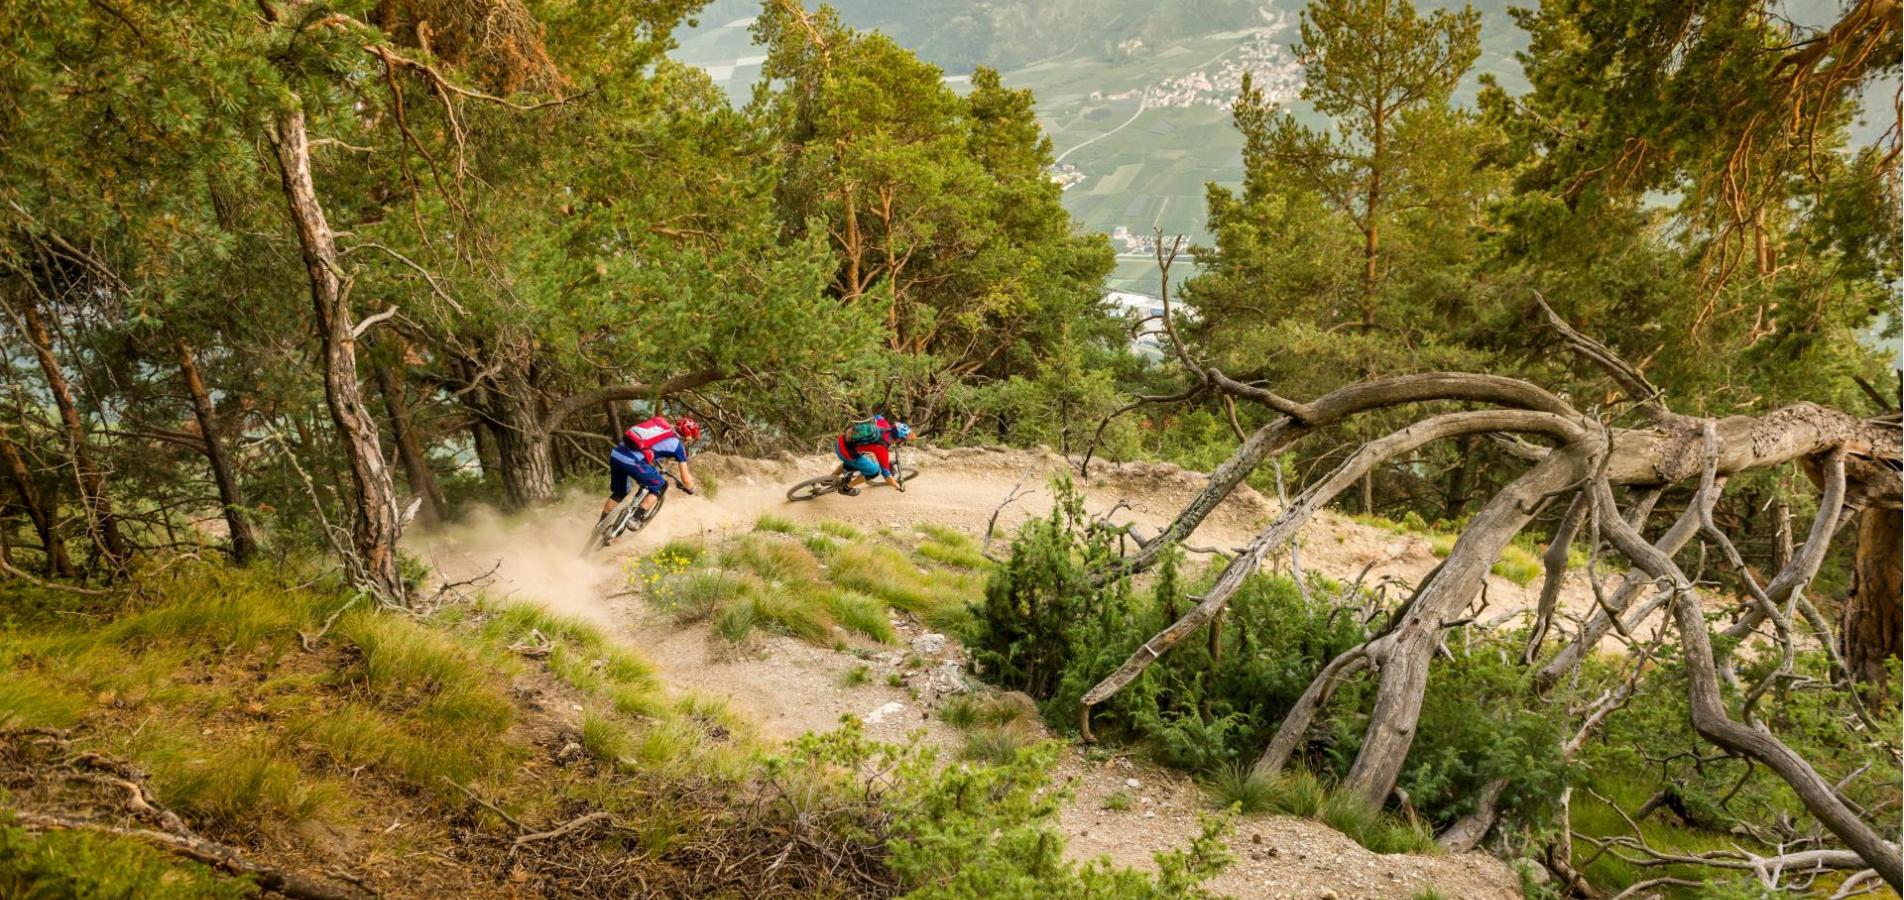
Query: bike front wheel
(813, 487)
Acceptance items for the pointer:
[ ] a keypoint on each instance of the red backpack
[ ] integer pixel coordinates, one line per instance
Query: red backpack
(645, 435)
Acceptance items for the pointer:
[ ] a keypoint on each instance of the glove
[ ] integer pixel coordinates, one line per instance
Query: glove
(687, 490)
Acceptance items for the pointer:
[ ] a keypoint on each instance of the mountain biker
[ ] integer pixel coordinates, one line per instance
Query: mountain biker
(865, 451)
(634, 457)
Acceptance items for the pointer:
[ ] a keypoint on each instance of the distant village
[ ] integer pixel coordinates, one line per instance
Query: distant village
(1264, 56)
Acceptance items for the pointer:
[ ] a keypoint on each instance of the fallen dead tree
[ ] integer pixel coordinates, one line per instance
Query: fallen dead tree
(1609, 477)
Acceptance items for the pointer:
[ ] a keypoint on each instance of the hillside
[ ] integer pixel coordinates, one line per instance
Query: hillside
(790, 686)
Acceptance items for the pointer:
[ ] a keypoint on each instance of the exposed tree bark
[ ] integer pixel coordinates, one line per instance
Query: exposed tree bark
(1616, 602)
(244, 542)
(375, 526)
(1404, 681)
(1331, 409)
(1712, 721)
(39, 510)
(1872, 623)
(416, 466)
(1554, 562)
(101, 521)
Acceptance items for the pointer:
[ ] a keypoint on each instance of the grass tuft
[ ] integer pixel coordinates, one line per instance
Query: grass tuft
(960, 712)
(1373, 828)
(243, 785)
(736, 621)
(773, 559)
(605, 738)
(840, 530)
(856, 676)
(997, 745)
(28, 702)
(855, 611)
(779, 524)
(1242, 787)
(794, 613)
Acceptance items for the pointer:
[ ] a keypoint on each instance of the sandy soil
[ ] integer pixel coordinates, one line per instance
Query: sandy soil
(788, 687)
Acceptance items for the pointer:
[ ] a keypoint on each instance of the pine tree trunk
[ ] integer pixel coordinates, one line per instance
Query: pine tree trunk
(525, 452)
(38, 510)
(374, 529)
(523, 455)
(92, 482)
(244, 542)
(1872, 622)
(416, 466)
(1456, 495)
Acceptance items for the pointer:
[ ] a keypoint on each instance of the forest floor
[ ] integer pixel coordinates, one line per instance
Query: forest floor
(788, 687)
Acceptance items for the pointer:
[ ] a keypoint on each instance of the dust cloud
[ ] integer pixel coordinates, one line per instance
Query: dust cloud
(536, 556)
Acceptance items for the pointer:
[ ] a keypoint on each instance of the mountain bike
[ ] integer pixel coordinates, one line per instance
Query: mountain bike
(830, 484)
(628, 517)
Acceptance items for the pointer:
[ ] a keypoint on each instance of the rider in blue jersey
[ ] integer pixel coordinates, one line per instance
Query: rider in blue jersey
(635, 455)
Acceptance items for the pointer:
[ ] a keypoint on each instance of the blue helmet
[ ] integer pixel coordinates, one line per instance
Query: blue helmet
(902, 431)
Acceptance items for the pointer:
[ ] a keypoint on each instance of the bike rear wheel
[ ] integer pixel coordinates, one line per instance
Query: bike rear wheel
(813, 487)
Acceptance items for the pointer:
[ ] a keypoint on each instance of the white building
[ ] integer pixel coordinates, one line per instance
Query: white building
(1148, 339)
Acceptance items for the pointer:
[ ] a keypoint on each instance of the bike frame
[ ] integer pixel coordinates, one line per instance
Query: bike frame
(625, 511)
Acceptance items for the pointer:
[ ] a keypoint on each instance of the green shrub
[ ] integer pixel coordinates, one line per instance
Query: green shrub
(1047, 629)
(856, 676)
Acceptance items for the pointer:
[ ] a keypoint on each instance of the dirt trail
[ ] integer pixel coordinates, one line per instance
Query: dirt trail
(788, 687)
